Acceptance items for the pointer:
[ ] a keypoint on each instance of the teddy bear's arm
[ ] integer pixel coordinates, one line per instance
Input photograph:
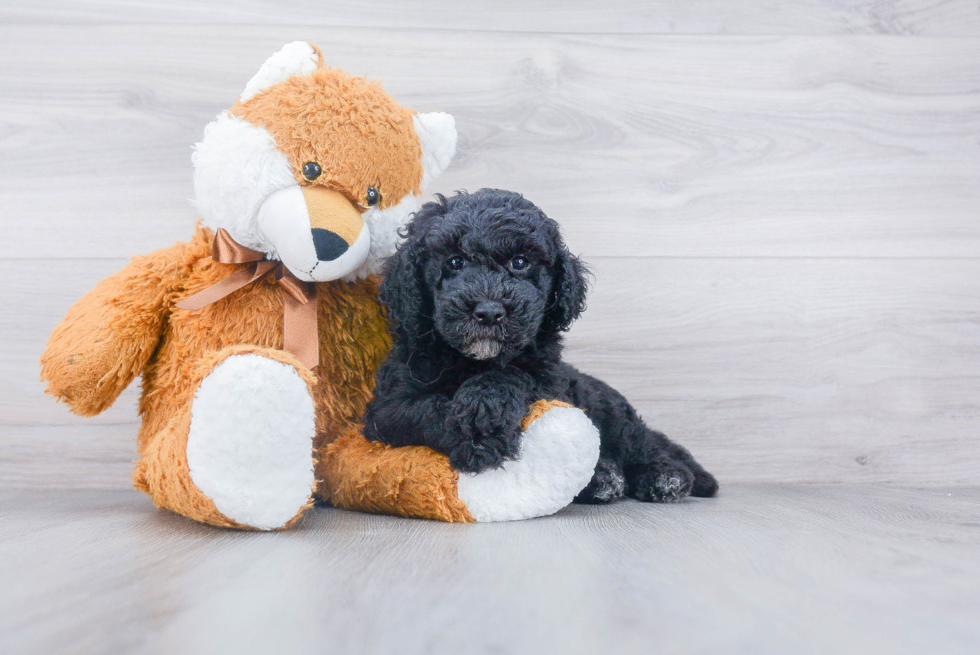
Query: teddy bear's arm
(107, 336)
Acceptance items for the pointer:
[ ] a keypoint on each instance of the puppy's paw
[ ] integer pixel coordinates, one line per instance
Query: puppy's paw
(475, 456)
(607, 485)
(659, 482)
(488, 416)
(705, 485)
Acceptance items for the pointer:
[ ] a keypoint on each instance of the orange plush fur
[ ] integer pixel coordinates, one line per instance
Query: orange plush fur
(353, 129)
(129, 323)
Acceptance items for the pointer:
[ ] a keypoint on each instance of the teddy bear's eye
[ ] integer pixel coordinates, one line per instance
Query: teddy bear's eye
(456, 263)
(311, 170)
(373, 196)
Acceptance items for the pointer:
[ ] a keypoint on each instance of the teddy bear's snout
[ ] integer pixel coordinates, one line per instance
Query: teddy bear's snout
(316, 232)
(330, 213)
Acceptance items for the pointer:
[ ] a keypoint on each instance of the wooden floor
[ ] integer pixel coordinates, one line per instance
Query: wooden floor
(780, 202)
(760, 569)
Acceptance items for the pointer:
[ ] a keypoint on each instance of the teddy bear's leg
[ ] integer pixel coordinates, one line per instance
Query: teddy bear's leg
(560, 448)
(240, 454)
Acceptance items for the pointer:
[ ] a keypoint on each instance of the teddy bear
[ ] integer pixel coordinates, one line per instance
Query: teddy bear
(258, 339)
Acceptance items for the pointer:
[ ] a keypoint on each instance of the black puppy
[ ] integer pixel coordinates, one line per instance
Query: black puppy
(478, 296)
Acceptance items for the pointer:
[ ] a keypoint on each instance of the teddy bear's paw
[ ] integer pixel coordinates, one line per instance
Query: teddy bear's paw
(250, 444)
(559, 451)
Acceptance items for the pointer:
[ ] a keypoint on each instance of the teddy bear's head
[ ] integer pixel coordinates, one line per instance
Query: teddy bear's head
(317, 168)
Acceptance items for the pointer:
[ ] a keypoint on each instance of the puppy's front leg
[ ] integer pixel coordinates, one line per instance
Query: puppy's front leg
(488, 409)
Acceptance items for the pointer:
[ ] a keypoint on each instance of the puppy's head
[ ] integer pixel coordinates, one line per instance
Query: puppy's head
(488, 273)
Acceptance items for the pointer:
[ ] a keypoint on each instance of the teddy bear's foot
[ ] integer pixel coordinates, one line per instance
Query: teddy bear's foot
(250, 441)
(559, 451)
(239, 454)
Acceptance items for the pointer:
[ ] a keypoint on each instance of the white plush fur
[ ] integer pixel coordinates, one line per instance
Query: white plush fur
(296, 58)
(250, 446)
(437, 134)
(284, 221)
(384, 225)
(559, 453)
(236, 167)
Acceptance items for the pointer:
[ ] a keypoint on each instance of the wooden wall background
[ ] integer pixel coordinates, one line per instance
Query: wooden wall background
(780, 200)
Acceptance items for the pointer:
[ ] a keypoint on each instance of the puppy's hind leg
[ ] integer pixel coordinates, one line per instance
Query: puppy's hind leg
(705, 485)
(608, 484)
(655, 468)
(658, 470)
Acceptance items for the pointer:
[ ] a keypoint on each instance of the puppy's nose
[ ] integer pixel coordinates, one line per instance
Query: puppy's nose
(489, 312)
(329, 245)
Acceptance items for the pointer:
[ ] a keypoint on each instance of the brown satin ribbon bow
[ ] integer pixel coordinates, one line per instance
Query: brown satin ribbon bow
(299, 331)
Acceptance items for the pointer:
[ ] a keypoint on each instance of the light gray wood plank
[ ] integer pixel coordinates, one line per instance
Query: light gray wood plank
(665, 146)
(903, 17)
(764, 569)
(82, 455)
(797, 370)
(35, 299)
(769, 370)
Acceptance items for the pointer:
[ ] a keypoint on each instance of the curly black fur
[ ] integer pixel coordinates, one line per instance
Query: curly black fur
(478, 296)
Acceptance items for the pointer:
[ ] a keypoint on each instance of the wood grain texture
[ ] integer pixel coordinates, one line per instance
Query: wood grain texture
(901, 17)
(848, 369)
(80, 455)
(653, 146)
(768, 369)
(765, 569)
(780, 202)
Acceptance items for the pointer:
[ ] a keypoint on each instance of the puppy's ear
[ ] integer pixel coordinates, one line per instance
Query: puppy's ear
(404, 290)
(568, 291)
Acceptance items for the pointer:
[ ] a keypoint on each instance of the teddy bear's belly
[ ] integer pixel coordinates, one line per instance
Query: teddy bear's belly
(352, 334)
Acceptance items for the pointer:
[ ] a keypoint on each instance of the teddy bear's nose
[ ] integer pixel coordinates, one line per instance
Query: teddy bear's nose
(329, 246)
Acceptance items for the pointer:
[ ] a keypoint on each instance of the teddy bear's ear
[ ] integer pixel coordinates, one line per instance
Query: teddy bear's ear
(296, 58)
(437, 134)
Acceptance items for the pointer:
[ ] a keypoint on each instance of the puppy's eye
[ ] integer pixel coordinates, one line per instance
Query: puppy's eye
(456, 263)
(311, 170)
(373, 196)
(519, 263)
